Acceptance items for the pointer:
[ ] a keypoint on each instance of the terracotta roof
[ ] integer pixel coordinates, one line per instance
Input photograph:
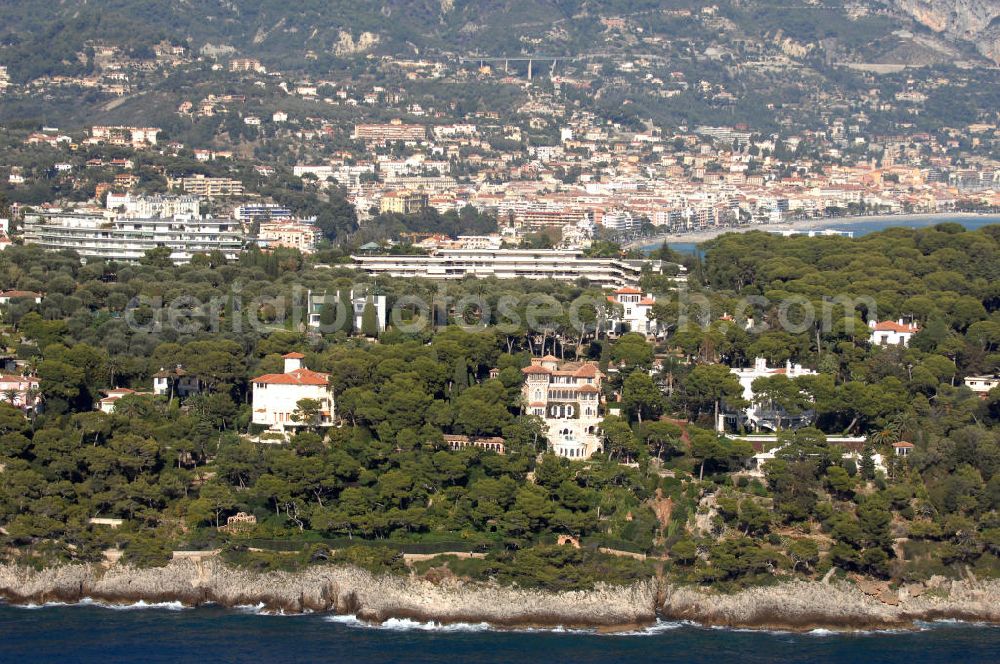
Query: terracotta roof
(297, 377)
(588, 388)
(902, 443)
(628, 290)
(9, 378)
(893, 326)
(19, 293)
(647, 301)
(293, 356)
(587, 370)
(550, 358)
(535, 369)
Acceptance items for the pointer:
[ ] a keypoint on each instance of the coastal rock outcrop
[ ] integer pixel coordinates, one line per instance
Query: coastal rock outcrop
(340, 589)
(806, 605)
(798, 605)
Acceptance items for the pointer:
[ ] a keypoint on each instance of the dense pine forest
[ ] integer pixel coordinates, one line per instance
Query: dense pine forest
(383, 481)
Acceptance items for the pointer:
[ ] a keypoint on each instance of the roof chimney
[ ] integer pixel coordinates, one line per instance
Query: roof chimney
(293, 361)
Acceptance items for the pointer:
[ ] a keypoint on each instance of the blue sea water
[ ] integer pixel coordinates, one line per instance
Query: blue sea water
(860, 228)
(67, 634)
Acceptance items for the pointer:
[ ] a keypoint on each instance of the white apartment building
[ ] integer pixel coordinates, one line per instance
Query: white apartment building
(358, 302)
(137, 137)
(567, 396)
(620, 221)
(262, 212)
(127, 239)
(558, 264)
(891, 333)
(294, 235)
(148, 207)
(635, 311)
(757, 415)
(276, 397)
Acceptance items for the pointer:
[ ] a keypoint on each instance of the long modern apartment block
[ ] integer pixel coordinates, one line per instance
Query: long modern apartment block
(128, 239)
(561, 265)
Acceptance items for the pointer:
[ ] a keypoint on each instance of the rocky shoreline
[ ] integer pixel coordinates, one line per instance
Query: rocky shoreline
(797, 605)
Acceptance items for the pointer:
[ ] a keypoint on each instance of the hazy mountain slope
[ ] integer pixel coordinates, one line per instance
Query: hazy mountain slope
(40, 37)
(977, 21)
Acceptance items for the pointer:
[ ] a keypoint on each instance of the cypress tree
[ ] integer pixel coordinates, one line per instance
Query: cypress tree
(369, 320)
(460, 377)
(347, 307)
(327, 315)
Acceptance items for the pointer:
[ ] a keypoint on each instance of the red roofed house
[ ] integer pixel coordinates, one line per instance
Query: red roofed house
(276, 397)
(635, 311)
(110, 400)
(902, 448)
(20, 391)
(567, 396)
(8, 295)
(892, 333)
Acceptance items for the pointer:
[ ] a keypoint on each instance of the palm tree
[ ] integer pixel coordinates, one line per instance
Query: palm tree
(887, 435)
(11, 396)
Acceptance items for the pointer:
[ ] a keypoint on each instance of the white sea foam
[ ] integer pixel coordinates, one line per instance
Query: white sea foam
(821, 632)
(256, 609)
(136, 606)
(44, 605)
(659, 627)
(408, 625)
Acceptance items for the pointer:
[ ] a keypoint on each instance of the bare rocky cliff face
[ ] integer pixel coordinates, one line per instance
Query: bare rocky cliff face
(977, 21)
(334, 589)
(792, 605)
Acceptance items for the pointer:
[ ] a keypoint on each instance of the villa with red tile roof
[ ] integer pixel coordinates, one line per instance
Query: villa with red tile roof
(567, 396)
(20, 391)
(276, 396)
(892, 333)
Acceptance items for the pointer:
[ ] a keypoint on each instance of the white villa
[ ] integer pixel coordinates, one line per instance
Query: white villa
(755, 416)
(175, 382)
(891, 333)
(635, 311)
(276, 396)
(982, 385)
(567, 396)
(358, 302)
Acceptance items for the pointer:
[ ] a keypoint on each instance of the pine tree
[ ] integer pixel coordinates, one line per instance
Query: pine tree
(369, 320)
